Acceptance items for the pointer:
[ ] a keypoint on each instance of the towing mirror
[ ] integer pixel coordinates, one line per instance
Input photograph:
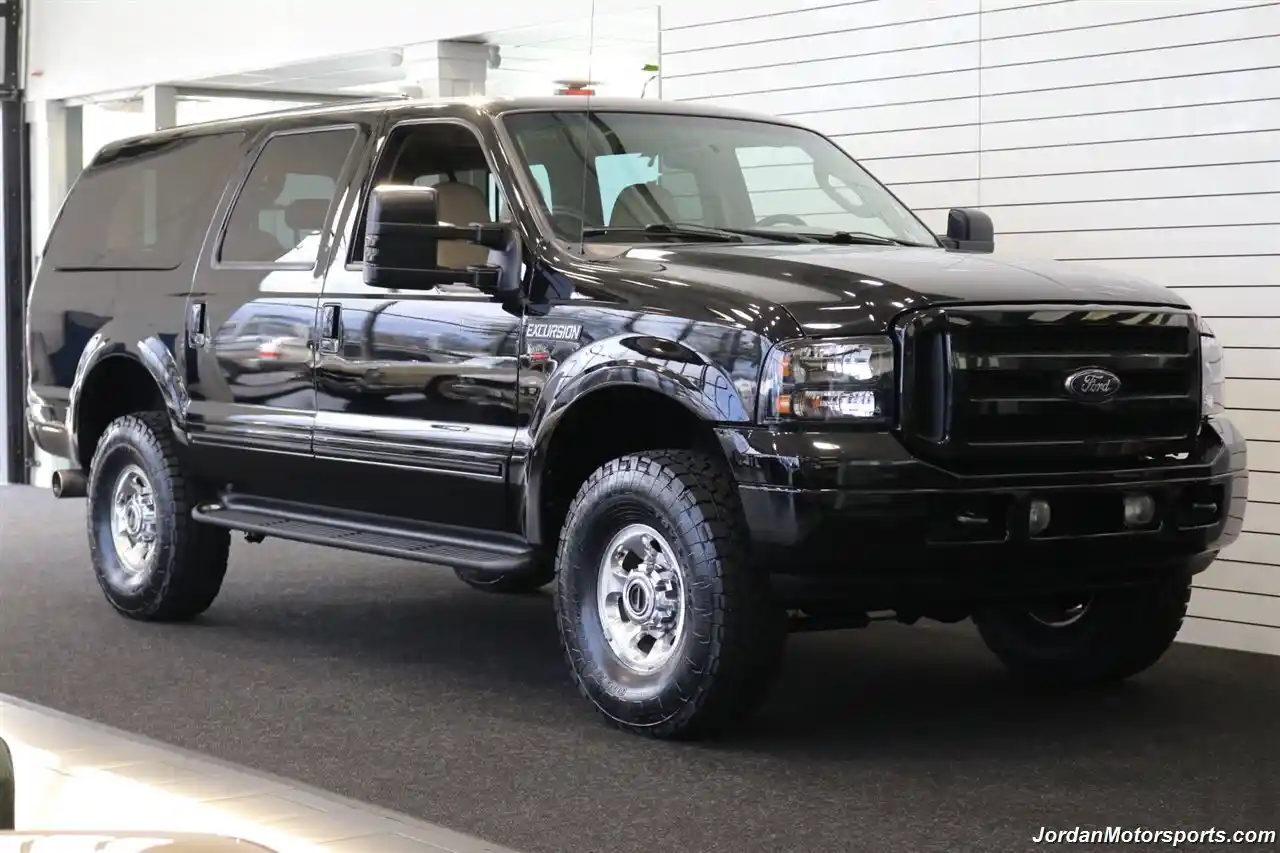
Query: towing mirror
(969, 230)
(402, 240)
(8, 794)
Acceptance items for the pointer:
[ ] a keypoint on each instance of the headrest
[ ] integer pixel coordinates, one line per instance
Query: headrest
(306, 214)
(643, 204)
(460, 204)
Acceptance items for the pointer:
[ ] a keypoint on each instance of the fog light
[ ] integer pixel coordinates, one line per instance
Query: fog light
(1139, 510)
(1038, 517)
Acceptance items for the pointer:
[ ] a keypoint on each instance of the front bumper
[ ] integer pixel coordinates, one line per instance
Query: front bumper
(859, 507)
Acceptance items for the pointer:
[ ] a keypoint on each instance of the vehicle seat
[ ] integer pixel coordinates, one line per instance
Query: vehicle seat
(306, 216)
(461, 204)
(643, 204)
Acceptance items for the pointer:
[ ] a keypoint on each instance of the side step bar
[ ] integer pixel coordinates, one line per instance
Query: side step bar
(457, 548)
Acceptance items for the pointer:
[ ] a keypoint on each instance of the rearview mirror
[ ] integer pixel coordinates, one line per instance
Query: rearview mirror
(969, 230)
(402, 245)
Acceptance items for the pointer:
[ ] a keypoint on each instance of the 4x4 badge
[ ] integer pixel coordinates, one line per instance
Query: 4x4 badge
(1093, 385)
(553, 331)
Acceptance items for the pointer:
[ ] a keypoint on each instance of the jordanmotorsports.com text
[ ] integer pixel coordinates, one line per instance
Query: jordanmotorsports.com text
(1142, 835)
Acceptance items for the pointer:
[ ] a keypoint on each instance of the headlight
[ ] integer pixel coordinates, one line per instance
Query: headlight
(845, 379)
(1213, 377)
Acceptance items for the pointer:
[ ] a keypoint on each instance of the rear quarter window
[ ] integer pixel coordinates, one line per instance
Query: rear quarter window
(143, 206)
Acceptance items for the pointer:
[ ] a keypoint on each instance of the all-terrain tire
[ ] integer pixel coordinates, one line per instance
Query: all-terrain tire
(1122, 633)
(731, 645)
(183, 575)
(510, 583)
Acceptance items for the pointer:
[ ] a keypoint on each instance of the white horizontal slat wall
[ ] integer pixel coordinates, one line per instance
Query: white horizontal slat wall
(1139, 135)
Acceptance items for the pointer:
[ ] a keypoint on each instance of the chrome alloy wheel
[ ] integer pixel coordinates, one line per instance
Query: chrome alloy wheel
(641, 598)
(1060, 614)
(133, 520)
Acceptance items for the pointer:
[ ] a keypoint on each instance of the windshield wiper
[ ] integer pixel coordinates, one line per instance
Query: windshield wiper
(692, 229)
(666, 229)
(845, 238)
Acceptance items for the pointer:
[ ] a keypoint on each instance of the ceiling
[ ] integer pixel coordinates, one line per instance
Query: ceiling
(611, 45)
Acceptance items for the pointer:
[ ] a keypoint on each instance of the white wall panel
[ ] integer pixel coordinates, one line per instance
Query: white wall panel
(1129, 155)
(1262, 518)
(1163, 62)
(1137, 135)
(1125, 38)
(838, 44)
(1166, 92)
(1241, 577)
(1202, 272)
(910, 143)
(1152, 123)
(1249, 363)
(1231, 635)
(1261, 548)
(1265, 456)
(1260, 425)
(1254, 302)
(792, 72)
(1241, 209)
(802, 23)
(1038, 16)
(1145, 242)
(916, 88)
(1236, 606)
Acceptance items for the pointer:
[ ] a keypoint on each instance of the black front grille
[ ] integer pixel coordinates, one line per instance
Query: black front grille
(991, 382)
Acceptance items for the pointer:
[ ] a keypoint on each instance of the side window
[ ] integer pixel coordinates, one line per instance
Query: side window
(282, 208)
(143, 207)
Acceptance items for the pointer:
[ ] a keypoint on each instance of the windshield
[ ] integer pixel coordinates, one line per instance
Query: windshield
(613, 174)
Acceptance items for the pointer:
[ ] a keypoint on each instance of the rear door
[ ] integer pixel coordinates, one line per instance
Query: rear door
(252, 309)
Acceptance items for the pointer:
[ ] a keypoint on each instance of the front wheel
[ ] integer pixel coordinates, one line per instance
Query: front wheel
(1087, 639)
(668, 630)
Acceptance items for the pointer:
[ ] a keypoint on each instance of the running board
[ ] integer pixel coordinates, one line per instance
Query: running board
(455, 547)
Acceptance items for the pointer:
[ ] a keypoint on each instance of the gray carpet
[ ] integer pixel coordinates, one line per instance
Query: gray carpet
(397, 685)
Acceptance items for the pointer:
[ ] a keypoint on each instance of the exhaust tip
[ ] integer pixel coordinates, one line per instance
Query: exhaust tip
(69, 484)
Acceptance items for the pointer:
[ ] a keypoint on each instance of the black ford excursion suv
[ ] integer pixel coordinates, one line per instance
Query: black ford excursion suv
(696, 368)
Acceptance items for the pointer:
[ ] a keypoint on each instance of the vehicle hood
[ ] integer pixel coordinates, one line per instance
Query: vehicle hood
(833, 290)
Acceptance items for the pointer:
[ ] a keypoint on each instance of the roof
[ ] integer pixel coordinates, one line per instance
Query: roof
(492, 106)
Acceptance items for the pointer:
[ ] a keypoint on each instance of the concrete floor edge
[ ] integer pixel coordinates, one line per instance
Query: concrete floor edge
(63, 762)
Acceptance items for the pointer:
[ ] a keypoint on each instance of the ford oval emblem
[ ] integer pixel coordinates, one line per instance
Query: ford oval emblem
(1093, 385)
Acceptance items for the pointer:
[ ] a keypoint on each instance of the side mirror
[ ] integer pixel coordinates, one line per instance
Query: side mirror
(969, 230)
(401, 245)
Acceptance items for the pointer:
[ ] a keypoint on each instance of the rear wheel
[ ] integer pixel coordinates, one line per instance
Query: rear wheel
(668, 630)
(152, 560)
(1087, 639)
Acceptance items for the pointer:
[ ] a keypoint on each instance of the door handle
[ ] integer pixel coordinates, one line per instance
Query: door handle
(197, 331)
(330, 327)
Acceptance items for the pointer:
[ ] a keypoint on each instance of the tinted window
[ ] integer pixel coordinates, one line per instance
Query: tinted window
(143, 207)
(648, 168)
(284, 204)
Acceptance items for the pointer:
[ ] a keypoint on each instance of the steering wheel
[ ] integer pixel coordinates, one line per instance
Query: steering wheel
(782, 219)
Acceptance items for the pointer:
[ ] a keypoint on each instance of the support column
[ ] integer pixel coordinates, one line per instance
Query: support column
(51, 176)
(160, 105)
(446, 69)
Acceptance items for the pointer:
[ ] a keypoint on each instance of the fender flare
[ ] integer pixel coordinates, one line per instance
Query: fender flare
(150, 352)
(684, 378)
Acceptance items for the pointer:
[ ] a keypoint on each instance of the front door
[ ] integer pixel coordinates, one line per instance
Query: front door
(417, 391)
(252, 310)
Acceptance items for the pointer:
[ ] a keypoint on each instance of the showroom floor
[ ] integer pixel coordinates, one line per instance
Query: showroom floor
(399, 686)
